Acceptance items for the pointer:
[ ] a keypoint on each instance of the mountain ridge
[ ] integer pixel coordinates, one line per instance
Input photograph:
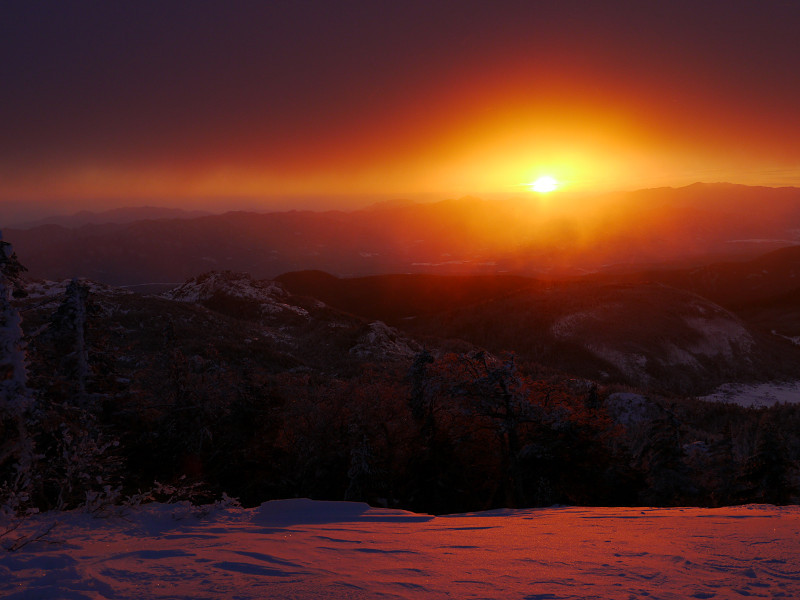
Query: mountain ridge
(467, 236)
(125, 214)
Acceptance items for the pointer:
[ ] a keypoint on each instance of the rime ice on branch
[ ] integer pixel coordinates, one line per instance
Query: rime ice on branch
(13, 374)
(17, 455)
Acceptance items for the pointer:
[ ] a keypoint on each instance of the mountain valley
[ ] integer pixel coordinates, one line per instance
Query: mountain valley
(431, 391)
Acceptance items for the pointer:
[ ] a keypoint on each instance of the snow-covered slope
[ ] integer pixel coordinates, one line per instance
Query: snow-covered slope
(644, 334)
(241, 296)
(302, 549)
(381, 341)
(756, 395)
(241, 285)
(657, 330)
(270, 295)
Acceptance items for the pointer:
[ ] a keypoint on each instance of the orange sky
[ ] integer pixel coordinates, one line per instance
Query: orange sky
(279, 105)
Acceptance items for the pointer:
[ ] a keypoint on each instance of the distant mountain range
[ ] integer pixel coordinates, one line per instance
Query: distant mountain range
(623, 232)
(115, 215)
(670, 297)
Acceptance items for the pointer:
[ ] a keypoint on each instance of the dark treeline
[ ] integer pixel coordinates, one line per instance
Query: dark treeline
(457, 433)
(88, 417)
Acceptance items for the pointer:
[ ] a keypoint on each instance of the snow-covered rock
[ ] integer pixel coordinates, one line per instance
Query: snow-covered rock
(652, 333)
(381, 341)
(756, 395)
(270, 295)
(240, 285)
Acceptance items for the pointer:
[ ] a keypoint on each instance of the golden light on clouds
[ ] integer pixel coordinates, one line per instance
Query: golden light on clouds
(414, 104)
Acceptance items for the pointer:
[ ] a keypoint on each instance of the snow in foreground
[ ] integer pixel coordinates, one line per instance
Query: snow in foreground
(304, 549)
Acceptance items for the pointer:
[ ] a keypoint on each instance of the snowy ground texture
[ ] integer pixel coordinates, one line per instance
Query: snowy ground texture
(302, 549)
(758, 395)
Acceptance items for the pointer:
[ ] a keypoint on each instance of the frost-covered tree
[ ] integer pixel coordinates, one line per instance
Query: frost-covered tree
(421, 400)
(11, 268)
(17, 455)
(13, 373)
(82, 465)
(359, 472)
(53, 451)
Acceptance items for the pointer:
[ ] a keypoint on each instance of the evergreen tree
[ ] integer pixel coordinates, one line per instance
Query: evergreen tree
(721, 475)
(17, 452)
(67, 330)
(662, 461)
(766, 473)
(11, 268)
(13, 372)
(420, 400)
(435, 480)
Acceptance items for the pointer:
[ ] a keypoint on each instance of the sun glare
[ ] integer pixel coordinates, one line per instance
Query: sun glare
(544, 184)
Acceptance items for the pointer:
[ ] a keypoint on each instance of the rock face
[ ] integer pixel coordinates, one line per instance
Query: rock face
(242, 285)
(217, 321)
(643, 334)
(216, 287)
(303, 327)
(381, 341)
(645, 331)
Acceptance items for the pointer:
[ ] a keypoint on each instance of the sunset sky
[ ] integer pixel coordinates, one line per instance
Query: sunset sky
(337, 104)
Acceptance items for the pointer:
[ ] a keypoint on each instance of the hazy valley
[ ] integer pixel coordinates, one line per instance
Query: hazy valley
(615, 233)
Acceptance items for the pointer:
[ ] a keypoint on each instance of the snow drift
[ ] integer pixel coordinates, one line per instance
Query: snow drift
(303, 549)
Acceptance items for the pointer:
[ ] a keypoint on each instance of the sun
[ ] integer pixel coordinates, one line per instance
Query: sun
(544, 184)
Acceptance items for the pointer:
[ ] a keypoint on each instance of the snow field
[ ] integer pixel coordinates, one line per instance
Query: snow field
(758, 395)
(298, 549)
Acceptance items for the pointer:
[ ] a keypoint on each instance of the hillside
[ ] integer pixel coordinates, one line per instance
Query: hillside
(396, 298)
(740, 284)
(237, 384)
(641, 333)
(241, 320)
(650, 336)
